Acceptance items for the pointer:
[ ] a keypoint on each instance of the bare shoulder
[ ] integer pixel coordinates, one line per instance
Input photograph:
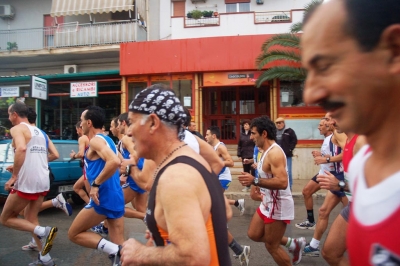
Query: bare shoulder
(84, 139)
(96, 143)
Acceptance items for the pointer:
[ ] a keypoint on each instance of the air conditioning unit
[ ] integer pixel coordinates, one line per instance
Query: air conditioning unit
(69, 69)
(6, 11)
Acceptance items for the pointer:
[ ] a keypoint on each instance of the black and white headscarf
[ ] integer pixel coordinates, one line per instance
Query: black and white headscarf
(162, 101)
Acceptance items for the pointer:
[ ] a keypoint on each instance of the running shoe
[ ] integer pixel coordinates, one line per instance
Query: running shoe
(241, 206)
(115, 258)
(31, 246)
(310, 251)
(100, 229)
(63, 204)
(39, 262)
(298, 250)
(306, 225)
(244, 258)
(47, 239)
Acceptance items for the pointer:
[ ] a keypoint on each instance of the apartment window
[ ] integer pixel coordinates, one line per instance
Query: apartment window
(179, 9)
(237, 7)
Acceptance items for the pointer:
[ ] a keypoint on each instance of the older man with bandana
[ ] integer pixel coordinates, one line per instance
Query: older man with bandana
(156, 116)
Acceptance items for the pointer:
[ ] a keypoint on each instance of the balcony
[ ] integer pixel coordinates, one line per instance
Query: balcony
(72, 35)
(233, 24)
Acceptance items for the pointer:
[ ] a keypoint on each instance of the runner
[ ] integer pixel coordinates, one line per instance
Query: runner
(106, 196)
(358, 81)
(212, 136)
(27, 191)
(268, 224)
(157, 117)
(312, 186)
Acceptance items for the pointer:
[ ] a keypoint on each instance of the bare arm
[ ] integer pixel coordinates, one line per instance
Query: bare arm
(212, 158)
(180, 232)
(227, 159)
(99, 146)
(360, 142)
(53, 153)
(83, 142)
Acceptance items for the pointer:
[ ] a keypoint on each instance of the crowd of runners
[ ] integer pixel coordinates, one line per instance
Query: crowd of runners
(159, 153)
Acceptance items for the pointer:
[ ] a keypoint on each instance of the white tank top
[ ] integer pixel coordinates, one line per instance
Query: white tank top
(325, 150)
(275, 204)
(33, 176)
(225, 173)
(191, 141)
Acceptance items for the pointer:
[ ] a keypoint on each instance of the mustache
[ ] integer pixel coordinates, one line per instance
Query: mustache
(330, 105)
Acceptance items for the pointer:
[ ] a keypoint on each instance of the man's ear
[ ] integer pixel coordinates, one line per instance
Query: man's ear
(391, 36)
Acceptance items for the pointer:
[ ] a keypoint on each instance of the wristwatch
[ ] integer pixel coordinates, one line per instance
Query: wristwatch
(328, 159)
(342, 185)
(94, 184)
(256, 181)
(128, 169)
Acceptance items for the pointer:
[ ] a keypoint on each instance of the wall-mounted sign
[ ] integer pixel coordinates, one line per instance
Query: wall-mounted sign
(39, 88)
(9, 92)
(83, 89)
(241, 78)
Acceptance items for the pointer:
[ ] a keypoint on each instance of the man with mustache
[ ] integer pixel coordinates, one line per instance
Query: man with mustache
(358, 81)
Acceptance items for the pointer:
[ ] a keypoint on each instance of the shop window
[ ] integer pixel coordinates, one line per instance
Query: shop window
(134, 88)
(291, 94)
(247, 102)
(183, 90)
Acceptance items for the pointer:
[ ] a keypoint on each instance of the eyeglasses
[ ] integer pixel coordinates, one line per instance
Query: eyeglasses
(279, 122)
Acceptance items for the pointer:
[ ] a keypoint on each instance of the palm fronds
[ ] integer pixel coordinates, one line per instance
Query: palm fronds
(282, 73)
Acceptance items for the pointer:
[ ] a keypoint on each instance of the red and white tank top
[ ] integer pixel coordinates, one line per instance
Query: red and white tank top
(348, 153)
(373, 236)
(275, 204)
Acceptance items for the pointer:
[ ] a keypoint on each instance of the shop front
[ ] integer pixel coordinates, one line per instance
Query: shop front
(68, 96)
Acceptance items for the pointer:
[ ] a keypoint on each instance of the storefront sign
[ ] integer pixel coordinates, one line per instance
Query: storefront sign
(9, 92)
(230, 78)
(39, 88)
(138, 79)
(83, 89)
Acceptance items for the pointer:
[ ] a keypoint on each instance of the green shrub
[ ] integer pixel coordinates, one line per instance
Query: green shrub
(196, 14)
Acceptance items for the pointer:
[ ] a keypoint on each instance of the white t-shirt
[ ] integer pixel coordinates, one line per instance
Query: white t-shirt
(325, 150)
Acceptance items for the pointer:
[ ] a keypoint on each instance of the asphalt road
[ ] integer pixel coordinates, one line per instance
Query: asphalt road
(65, 252)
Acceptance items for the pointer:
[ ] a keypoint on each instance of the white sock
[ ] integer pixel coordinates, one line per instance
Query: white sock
(39, 230)
(55, 202)
(45, 258)
(107, 247)
(314, 243)
(291, 245)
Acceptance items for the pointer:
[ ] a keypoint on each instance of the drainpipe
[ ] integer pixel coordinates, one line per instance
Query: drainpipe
(147, 21)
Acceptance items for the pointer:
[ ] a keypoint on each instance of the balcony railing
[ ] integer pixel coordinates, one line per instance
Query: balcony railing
(273, 17)
(70, 35)
(201, 22)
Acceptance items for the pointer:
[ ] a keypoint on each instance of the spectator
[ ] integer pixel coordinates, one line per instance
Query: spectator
(287, 139)
(245, 150)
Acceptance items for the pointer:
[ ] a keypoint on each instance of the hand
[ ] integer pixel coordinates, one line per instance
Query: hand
(130, 252)
(149, 238)
(10, 183)
(246, 179)
(254, 166)
(10, 168)
(316, 153)
(246, 161)
(122, 166)
(328, 181)
(122, 179)
(94, 195)
(319, 160)
(72, 154)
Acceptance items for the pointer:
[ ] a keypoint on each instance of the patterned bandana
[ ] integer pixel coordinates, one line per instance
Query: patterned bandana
(158, 100)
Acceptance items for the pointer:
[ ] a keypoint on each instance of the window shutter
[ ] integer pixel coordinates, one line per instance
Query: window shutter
(179, 9)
